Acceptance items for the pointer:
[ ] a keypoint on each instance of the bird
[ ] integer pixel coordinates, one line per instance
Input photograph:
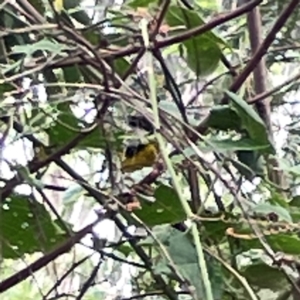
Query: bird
(139, 154)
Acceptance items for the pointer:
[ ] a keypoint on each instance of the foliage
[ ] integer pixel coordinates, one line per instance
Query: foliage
(216, 214)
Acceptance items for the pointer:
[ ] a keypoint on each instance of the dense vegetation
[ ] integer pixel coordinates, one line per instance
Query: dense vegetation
(212, 198)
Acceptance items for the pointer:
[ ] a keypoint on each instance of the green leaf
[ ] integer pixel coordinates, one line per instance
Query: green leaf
(251, 121)
(223, 118)
(178, 16)
(166, 209)
(117, 38)
(295, 201)
(51, 77)
(213, 144)
(92, 36)
(4, 88)
(251, 163)
(72, 74)
(95, 140)
(78, 14)
(278, 200)
(294, 208)
(72, 194)
(9, 18)
(125, 248)
(203, 55)
(203, 52)
(265, 277)
(121, 66)
(68, 126)
(285, 242)
(266, 208)
(29, 178)
(139, 3)
(65, 128)
(184, 255)
(172, 109)
(294, 170)
(43, 45)
(27, 227)
(10, 67)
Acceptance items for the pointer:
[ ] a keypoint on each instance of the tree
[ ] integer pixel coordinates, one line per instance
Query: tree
(212, 194)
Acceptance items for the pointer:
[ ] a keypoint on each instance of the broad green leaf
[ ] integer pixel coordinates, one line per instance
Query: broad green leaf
(294, 208)
(223, 118)
(92, 36)
(211, 5)
(72, 74)
(278, 200)
(51, 77)
(121, 66)
(266, 208)
(294, 170)
(43, 45)
(79, 15)
(27, 227)
(98, 141)
(72, 194)
(184, 255)
(9, 18)
(139, 3)
(39, 119)
(203, 51)
(116, 38)
(178, 16)
(264, 276)
(171, 109)
(65, 128)
(69, 4)
(29, 178)
(125, 248)
(68, 127)
(225, 145)
(166, 209)
(203, 55)
(251, 121)
(288, 243)
(250, 163)
(10, 67)
(213, 144)
(4, 88)
(295, 201)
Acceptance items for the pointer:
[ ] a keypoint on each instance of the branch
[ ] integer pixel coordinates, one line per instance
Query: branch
(262, 50)
(47, 258)
(35, 166)
(260, 86)
(251, 65)
(129, 50)
(208, 26)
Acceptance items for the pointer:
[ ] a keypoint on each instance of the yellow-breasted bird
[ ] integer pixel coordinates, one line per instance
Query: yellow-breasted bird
(139, 154)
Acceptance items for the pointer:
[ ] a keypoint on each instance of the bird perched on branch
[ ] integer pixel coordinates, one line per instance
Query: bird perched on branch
(140, 153)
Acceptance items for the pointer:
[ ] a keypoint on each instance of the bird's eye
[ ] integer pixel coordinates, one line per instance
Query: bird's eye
(131, 151)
